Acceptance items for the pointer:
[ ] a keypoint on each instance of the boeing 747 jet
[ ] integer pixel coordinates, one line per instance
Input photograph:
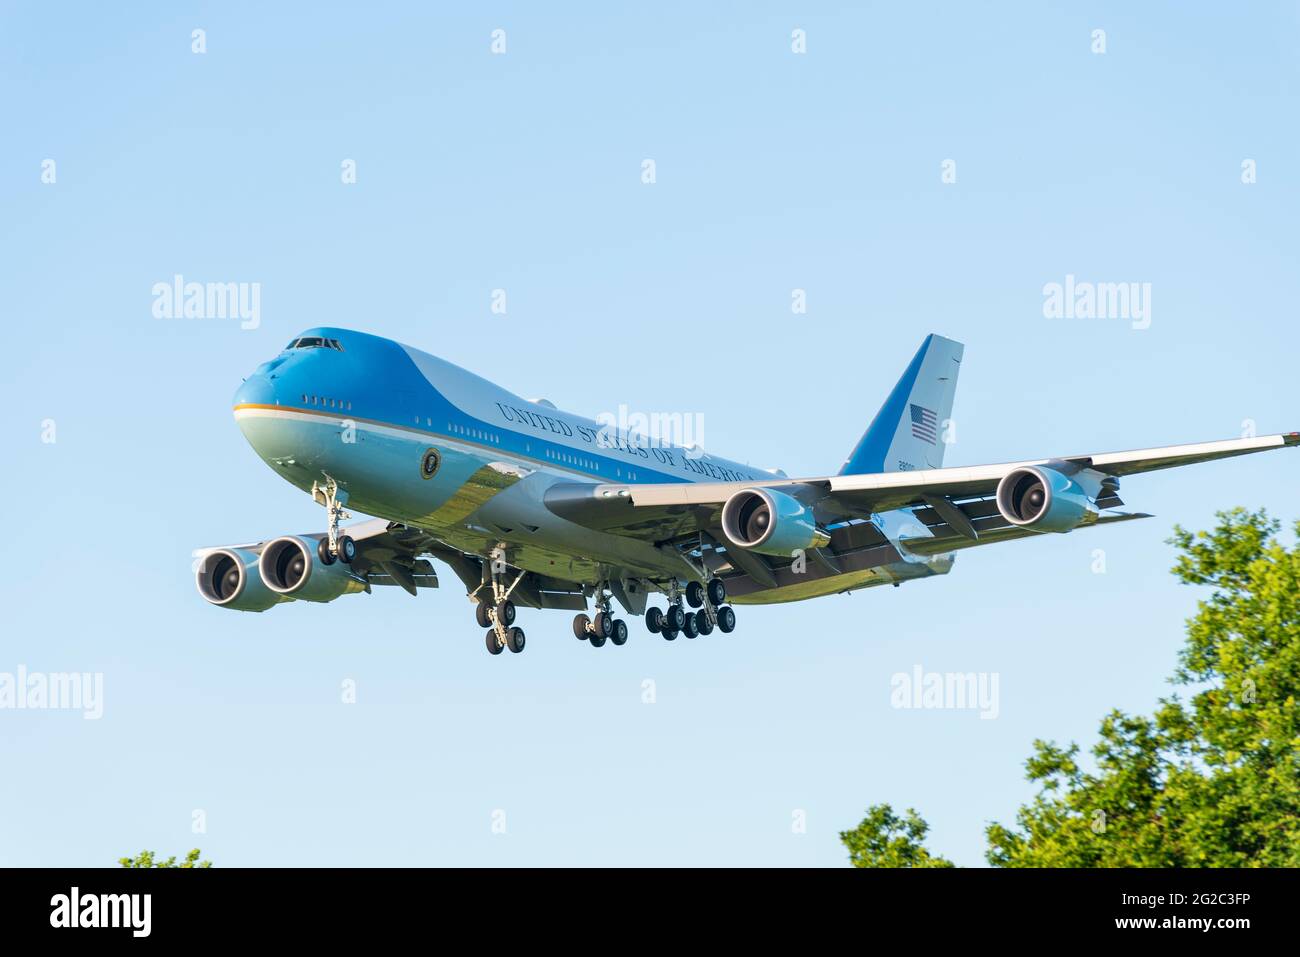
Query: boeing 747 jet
(537, 508)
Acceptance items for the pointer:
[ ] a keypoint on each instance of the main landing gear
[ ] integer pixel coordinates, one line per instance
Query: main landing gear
(495, 612)
(334, 547)
(498, 617)
(676, 620)
(603, 627)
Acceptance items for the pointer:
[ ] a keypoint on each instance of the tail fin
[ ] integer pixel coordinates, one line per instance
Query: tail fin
(909, 430)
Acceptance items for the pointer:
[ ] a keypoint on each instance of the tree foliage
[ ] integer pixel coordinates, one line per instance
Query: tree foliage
(147, 859)
(884, 839)
(1210, 781)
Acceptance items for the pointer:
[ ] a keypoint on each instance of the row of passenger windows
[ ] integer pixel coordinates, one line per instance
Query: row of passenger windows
(327, 402)
(479, 434)
(492, 438)
(570, 459)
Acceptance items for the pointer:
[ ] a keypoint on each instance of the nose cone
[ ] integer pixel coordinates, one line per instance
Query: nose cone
(256, 390)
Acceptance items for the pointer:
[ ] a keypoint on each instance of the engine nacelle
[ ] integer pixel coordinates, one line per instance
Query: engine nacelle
(289, 566)
(771, 522)
(1044, 500)
(228, 578)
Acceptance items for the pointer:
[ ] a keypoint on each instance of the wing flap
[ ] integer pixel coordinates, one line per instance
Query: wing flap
(990, 532)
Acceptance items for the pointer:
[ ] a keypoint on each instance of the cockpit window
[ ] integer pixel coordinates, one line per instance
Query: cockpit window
(314, 342)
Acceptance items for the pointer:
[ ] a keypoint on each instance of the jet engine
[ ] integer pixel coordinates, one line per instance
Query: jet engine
(290, 567)
(771, 522)
(1042, 499)
(228, 578)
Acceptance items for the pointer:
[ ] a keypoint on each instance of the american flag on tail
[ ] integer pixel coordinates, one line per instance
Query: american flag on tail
(925, 424)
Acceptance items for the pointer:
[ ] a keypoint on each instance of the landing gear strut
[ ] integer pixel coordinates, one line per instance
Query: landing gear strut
(498, 615)
(334, 546)
(707, 597)
(604, 626)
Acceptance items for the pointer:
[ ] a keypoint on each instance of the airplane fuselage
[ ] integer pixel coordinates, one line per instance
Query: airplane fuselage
(416, 440)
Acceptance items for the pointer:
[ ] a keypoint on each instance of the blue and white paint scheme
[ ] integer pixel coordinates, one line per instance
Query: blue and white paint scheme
(536, 507)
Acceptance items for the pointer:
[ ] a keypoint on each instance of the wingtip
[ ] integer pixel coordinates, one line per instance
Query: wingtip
(1291, 438)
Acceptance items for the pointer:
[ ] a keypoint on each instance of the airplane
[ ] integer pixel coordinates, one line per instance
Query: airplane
(535, 507)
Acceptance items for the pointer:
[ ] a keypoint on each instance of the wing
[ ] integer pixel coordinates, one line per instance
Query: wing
(956, 496)
(388, 554)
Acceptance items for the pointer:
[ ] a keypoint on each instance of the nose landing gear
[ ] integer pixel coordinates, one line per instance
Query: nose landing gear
(334, 547)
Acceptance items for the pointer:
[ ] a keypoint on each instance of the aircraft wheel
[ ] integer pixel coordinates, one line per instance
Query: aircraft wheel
(702, 622)
(506, 612)
(493, 646)
(654, 620)
(323, 552)
(670, 634)
(619, 635)
(597, 640)
(675, 617)
(694, 594)
(481, 615)
(726, 619)
(717, 592)
(603, 624)
(581, 625)
(688, 626)
(347, 549)
(515, 640)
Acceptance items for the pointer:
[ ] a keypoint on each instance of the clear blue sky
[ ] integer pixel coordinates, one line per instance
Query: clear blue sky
(475, 172)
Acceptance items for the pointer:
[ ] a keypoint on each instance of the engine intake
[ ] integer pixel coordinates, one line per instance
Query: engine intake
(1043, 500)
(290, 567)
(770, 522)
(227, 577)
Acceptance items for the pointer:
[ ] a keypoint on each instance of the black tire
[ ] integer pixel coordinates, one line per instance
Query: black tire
(347, 549)
(726, 619)
(695, 594)
(603, 624)
(493, 646)
(688, 626)
(581, 626)
(323, 552)
(654, 620)
(597, 640)
(619, 635)
(670, 634)
(506, 612)
(515, 640)
(703, 623)
(717, 592)
(481, 615)
(675, 617)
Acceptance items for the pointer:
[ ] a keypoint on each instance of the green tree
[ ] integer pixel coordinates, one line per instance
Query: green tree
(884, 839)
(1213, 781)
(1210, 782)
(147, 859)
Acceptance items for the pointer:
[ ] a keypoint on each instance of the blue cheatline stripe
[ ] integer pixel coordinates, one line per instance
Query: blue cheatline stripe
(868, 456)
